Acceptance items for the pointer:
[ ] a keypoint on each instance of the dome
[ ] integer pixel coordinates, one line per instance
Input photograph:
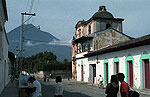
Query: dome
(102, 13)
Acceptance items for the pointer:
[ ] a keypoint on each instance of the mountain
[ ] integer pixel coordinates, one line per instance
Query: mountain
(30, 32)
(36, 41)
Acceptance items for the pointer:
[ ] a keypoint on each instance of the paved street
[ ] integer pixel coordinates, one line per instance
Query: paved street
(75, 89)
(71, 89)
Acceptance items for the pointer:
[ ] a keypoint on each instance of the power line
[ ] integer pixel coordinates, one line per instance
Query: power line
(30, 9)
(27, 6)
(36, 6)
(31, 6)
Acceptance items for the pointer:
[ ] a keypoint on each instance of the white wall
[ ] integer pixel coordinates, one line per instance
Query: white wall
(85, 69)
(122, 55)
(5, 58)
(4, 67)
(136, 54)
(78, 67)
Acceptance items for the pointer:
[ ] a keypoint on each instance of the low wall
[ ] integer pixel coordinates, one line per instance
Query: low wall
(62, 73)
(54, 73)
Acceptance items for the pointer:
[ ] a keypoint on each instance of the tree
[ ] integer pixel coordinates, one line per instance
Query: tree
(36, 62)
(45, 61)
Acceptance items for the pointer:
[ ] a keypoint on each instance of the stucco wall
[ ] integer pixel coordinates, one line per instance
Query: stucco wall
(107, 38)
(5, 58)
(122, 55)
(4, 67)
(85, 69)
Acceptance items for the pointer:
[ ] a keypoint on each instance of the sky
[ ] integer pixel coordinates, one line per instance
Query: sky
(59, 17)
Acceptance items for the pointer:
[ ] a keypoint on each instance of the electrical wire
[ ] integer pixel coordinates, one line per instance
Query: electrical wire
(31, 6)
(31, 19)
(30, 10)
(27, 6)
(36, 6)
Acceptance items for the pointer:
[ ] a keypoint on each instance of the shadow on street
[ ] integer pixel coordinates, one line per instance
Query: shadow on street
(49, 90)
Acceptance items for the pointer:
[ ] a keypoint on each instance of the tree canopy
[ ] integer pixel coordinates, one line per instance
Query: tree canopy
(45, 61)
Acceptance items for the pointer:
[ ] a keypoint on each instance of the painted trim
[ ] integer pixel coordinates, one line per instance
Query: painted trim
(106, 61)
(81, 62)
(145, 55)
(115, 60)
(130, 58)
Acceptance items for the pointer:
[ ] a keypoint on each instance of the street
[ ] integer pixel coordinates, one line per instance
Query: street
(72, 89)
(75, 89)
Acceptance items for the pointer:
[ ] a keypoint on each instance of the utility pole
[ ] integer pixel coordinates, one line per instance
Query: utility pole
(22, 36)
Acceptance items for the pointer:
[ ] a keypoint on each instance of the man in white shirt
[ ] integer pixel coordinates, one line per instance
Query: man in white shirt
(100, 81)
(36, 90)
(59, 87)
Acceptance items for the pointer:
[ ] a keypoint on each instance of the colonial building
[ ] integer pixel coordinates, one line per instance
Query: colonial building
(101, 47)
(4, 66)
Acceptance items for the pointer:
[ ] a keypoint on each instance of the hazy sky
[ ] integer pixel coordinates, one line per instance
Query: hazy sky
(59, 17)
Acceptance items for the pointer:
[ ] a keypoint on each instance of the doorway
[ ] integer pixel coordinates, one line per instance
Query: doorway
(106, 73)
(130, 72)
(146, 73)
(116, 67)
(82, 76)
(92, 73)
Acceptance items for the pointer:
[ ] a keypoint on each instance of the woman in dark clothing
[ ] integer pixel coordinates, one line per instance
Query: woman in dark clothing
(113, 87)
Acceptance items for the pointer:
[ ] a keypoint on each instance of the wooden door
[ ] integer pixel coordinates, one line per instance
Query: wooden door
(147, 74)
(94, 72)
(90, 73)
(130, 72)
(116, 67)
(106, 73)
(82, 73)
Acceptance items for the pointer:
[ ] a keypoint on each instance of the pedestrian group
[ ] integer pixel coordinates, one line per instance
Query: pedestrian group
(36, 87)
(112, 88)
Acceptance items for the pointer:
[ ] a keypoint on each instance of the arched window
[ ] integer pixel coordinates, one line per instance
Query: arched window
(145, 70)
(107, 26)
(79, 31)
(130, 70)
(116, 65)
(89, 29)
(106, 71)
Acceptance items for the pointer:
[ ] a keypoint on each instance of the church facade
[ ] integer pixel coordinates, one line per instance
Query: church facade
(101, 48)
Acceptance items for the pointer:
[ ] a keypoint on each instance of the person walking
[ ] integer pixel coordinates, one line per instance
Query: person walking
(113, 87)
(44, 78)
(100, 81)
(59, 87)
(124, 88)
(36, 89)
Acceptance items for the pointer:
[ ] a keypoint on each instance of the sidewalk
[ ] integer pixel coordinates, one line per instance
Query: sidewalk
(146, 92)
(10, 90)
